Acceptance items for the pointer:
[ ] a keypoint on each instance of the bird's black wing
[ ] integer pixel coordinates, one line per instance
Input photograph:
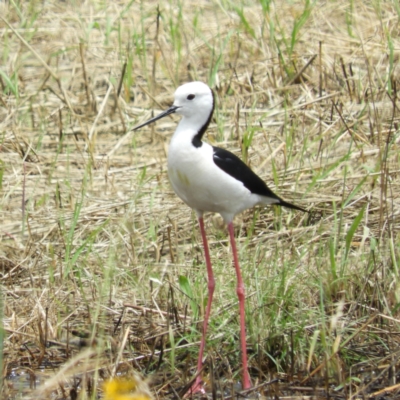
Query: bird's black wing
(236, 168)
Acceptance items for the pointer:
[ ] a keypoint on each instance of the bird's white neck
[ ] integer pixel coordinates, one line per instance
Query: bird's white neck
(186, 130)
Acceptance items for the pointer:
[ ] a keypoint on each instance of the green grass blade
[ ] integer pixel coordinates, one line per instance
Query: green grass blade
(186, 288)
(350, 233)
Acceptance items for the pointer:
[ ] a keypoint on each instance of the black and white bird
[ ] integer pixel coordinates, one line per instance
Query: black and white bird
(211, 179)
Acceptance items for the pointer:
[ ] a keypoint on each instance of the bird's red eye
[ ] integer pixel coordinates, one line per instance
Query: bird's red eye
(191, 97)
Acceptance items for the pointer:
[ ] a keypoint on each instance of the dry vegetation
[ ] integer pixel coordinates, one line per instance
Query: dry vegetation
(101, 264)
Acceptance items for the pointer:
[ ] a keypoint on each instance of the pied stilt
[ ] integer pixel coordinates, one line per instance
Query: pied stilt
(208, 178)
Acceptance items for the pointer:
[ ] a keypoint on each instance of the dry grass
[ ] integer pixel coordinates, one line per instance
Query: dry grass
(93, 240)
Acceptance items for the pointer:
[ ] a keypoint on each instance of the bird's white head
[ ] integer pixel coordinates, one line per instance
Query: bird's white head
(194, 99)
(195, 102)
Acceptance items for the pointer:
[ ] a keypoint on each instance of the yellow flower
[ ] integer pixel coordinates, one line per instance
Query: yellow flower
(124, 389)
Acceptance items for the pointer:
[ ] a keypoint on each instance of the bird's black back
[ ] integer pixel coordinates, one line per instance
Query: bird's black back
(236, 168)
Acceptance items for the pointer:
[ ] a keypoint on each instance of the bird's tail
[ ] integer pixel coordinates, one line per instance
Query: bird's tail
(284, 203)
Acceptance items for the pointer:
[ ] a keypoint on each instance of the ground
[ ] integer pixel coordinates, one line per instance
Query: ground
(101, 265)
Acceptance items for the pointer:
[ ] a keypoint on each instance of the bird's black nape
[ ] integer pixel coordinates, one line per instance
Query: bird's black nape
(196, 141)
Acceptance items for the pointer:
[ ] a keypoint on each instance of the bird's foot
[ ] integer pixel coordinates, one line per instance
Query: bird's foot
(196, 388)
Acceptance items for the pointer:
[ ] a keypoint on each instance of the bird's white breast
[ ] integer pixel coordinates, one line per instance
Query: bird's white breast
(201, 184)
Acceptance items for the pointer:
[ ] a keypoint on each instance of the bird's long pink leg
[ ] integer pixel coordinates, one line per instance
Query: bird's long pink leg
(240, 293)
(198, 386)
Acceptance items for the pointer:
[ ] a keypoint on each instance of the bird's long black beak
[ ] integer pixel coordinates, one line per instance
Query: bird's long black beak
(170, 110)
